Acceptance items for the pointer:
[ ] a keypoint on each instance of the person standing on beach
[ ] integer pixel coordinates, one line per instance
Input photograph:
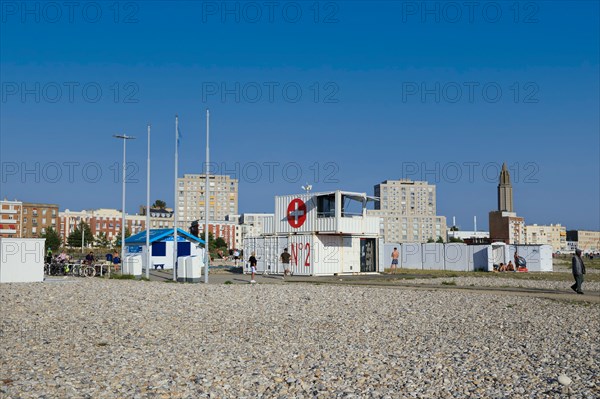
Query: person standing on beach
(395, 256)
(578, 271)
(285, 259)
(253, 262)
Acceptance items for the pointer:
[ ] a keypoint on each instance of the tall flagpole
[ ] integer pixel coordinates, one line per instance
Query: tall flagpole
(148, 249)
(175, 203)
(206, 202)
(124, 137)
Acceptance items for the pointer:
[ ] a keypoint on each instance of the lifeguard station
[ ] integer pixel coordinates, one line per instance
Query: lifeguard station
(326, 233)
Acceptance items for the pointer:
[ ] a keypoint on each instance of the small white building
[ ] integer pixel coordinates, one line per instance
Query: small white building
(22, 260)
(161, 242)
(326, 233)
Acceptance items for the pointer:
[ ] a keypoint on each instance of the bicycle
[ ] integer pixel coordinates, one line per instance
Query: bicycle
(83, 270)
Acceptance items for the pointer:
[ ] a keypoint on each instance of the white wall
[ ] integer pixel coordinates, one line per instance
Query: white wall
(456, 257)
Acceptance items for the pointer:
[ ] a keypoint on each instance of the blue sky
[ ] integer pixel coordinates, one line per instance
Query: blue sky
(346, 97)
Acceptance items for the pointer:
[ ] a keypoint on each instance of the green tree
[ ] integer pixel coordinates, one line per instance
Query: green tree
(429, 240)
(117, 239)
(455, 239)
(454, 228)
(74, 239)
(220, 243)
(160, 204)
(53, 239)
(102, 241)
(440, 240)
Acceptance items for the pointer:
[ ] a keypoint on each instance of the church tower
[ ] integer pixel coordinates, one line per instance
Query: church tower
(505, 194)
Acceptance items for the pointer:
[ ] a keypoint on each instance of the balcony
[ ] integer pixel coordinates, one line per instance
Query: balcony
(8, 211)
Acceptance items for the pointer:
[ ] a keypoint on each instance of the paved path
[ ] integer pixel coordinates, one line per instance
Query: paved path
(388, 281)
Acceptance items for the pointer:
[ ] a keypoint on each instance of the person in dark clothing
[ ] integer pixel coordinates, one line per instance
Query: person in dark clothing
(578, 271)
(253, 263)
(89, 258)
(285, 259)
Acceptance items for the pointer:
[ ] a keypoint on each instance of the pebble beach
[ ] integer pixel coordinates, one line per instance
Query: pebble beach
(95, 338)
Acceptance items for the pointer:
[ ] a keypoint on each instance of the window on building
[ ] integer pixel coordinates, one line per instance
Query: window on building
(326, 205)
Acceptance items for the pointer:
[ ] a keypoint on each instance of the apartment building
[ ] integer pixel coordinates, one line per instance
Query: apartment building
(37, 218)
(11, 214)
(159, 218)
(586, 240)
(107, 221)
(408, 211)
(191, 198)
(554, 235)
(228, 231)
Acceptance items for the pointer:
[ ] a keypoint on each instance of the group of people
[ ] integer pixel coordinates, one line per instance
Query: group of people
(508, 267)
(60, 258)
(285, 258)
(520, 265)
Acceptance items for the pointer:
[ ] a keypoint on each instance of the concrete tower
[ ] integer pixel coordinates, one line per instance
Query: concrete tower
(505, 195)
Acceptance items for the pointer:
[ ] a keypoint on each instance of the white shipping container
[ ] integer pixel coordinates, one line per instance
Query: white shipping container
(303, 254)
(269, 224)
(342, 213)
(312, 254)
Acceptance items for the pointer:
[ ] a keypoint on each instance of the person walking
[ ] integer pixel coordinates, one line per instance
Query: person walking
(236, 256)
(578, 271)
(49, 256)
(285, 259)
(395, 256)
(253, 263)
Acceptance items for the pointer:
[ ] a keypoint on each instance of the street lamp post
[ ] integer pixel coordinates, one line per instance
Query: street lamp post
(124, 138)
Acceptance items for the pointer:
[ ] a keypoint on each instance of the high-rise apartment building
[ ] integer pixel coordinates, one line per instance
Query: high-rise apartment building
(191, 198)
(408, 211)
